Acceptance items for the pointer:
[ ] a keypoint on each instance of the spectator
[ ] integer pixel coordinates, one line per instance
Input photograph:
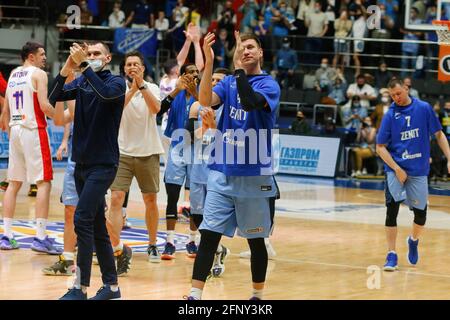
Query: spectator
(161, 26)
(410, 49)
(285, 63)
(317, 24)
(412, 92)
(342, 27)
(421, 7)
(432, 50)
(117, 17)
(142, 16)
(352, 114)
(310, 82)
(325, 74)
(222, 50)
(262, 28)
(444, 117)
(193, 15)
(249, 21)
(329, 128)
(337, 92)
(381, 108)
(280, 25)
(227, 19)
(391, 7)
(382, 76)
(86, 16)
(359, 31)
(179, 15)
(366, 149)
(300, 125)
(305, 7)
(385, 31)
(363, 90)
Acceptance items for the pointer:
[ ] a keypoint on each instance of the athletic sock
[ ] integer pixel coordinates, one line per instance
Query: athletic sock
(219, 249)
(114, 287)
(69, 255)
(7, 225)
(41, 225)
(258, 293)
(170, 236)
(192, 236)
(196, 293)
(119, 247)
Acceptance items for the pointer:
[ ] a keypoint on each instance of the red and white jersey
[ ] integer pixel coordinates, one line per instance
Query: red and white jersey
(23, 101)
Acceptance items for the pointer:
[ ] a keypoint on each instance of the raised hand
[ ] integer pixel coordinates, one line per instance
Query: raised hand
(208, 118)
(138, 76)
(238, 52)
(78, 53)
(208, 42)
(193, 32)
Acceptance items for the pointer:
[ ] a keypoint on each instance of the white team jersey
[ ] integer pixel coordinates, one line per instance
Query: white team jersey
(23, 102)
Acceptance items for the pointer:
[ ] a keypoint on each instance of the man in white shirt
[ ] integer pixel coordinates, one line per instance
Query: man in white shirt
(117, 17)
(365, 91)
(140, 147)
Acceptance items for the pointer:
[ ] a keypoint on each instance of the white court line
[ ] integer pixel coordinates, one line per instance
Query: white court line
(300, 261)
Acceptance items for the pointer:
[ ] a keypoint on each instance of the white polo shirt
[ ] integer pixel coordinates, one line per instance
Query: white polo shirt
(138, 133)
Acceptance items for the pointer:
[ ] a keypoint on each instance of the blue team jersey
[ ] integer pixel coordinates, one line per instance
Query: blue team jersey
(252, 153)
(200, 171)
(406, 133)
(178, 115)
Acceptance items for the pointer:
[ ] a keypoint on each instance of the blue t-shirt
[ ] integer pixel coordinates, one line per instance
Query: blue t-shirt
(406, 133)
(246, 134)
(199, 170)
(142, 13)
(178, 115)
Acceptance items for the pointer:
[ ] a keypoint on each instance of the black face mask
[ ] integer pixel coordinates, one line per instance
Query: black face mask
(360, 86)
(300, 118)
(130, 80)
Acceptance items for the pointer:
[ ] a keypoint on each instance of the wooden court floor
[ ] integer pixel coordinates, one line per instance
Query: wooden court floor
(316, 259)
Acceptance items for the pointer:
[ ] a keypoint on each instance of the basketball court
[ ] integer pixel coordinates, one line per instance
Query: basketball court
(329, 239)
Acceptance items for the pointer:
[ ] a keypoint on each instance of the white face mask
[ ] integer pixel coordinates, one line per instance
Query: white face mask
(385, 99)
(96, 65)
(323, 65)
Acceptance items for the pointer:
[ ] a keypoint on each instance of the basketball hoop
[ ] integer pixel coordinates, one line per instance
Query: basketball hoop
(443, 31)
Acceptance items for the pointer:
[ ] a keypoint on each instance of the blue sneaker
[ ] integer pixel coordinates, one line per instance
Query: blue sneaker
(191, 249)
(413, 253)
(254, 298)
(105, 293)
(169, 252)
(74, 294)
(391, 262)
(8, 244)
(190, 298)
(45, 246)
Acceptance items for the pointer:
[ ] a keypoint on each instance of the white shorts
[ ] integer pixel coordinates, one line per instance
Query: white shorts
(29, 155)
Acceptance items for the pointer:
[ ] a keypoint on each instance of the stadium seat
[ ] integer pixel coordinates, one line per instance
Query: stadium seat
(433, 87)
(312, 97)
(295, 95)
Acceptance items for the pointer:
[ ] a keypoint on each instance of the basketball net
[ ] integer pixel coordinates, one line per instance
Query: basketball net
(443, 33)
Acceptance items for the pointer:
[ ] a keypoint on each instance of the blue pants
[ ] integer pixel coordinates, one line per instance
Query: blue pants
(92, 183)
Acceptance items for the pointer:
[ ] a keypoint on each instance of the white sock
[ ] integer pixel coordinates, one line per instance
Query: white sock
(114, 287)
(413, 239)
(192, 236)
(392, 251)
(196, 293)
(41, 225)
(7, 226)
(170, 236)
(266, 241)
(219, 248)
(258, 293)
(119, 247)
(69, 255)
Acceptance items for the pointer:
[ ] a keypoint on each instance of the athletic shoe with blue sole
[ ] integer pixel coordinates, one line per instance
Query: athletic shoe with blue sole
(391, 262)
(413, 252)
(8, 243)
(45, 246)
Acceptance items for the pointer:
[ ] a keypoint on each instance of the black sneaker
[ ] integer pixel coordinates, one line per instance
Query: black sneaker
(74, 294)
(105, 293)
(123, 260)
(61, 268)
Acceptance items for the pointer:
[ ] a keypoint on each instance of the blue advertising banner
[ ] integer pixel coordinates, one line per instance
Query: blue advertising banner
(142, 40)
(55, 134)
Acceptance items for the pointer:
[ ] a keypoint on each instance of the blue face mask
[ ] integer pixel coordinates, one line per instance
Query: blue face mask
(96, 65)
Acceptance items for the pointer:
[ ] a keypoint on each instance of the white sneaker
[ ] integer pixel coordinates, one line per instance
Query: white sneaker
(270, 252)
(364, 171)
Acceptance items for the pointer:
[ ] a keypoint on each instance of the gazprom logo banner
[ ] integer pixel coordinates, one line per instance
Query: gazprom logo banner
(142, 40)
(304, 155)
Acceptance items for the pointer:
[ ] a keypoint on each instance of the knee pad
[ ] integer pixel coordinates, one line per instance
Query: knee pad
(391, 214)
(173, 194)
(198, 218)
(420, 216)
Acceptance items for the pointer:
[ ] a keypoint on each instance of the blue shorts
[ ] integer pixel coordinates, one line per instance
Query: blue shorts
(224, 214)
(197, 197)
(414, 192)
(69, 196)
(177, 172)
